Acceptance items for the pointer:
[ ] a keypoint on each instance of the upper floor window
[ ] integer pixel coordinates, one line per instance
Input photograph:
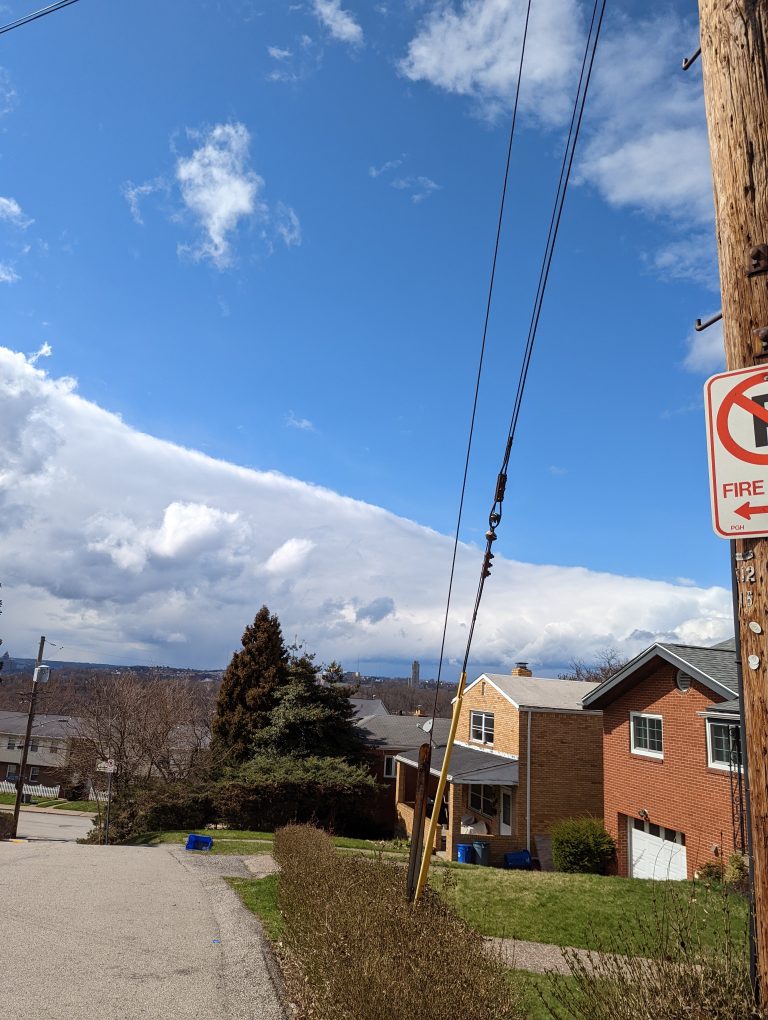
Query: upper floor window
(481, 726)
(390, 766)
(11, 743)
(723, 745)
(646, 734)
(34, 745)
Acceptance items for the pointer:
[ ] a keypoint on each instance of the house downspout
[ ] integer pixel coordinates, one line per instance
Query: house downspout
(528, 788)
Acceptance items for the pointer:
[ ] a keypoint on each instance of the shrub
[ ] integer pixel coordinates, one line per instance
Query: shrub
(365, 952)
(272, 790)
(736, 873)
(6, 824)
(582, 845)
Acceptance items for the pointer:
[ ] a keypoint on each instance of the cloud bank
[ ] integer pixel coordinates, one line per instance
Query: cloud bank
(122, 547)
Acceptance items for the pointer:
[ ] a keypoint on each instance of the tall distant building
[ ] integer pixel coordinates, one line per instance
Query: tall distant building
(415, 673)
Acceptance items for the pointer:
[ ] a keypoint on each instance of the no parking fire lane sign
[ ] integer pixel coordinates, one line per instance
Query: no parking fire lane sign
(736, 405)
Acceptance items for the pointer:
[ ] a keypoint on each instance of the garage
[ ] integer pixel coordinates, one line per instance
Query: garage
(656, 852)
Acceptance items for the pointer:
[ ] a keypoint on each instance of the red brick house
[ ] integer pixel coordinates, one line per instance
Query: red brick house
(527, 754)
(674, 796)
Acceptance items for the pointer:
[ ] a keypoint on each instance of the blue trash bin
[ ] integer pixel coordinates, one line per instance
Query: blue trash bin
(195, 842)
(466, 853)
(483, 852)
(520, 859)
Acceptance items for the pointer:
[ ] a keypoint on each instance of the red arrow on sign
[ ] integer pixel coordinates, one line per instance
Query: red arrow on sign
(747, 512)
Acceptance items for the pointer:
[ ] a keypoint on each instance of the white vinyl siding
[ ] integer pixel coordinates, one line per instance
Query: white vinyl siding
(481, 727)
(646, 734)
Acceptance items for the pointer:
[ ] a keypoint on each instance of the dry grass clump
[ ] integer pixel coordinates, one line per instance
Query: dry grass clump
(693, 978)
(367, 954)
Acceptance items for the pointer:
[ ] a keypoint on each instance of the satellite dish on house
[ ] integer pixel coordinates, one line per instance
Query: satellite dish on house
(427, 727)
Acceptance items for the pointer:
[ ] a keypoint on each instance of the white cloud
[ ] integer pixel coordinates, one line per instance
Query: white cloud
(473, 49)
(7, 93)
(288, 557)
(220, 189)
(419, 187)
(287, 225)
(278, 54)
(11, 212)
(133, 193)
(340, 23)
(692, 258)
(647, 145)
(391, 164)
(8, 274)
(705, 354)
(304, 424)
(117, 543)
(44, 351)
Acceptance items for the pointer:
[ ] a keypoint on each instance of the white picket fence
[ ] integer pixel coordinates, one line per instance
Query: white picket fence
(33, 789)
(98, 795)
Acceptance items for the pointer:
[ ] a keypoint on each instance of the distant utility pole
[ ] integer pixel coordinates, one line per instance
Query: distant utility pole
(27, 738)
(734, 50)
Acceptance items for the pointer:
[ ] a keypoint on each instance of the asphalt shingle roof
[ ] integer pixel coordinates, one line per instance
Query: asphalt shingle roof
(15, 723)
(368, 706)
(719, 662)
(400, 731)
(541, 692)
(470, 765)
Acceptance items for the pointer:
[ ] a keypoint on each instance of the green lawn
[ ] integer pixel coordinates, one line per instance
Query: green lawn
(587, 911)
(63, 805)
(260, 896)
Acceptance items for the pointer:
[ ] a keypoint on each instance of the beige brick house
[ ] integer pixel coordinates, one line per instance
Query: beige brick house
(527, 754)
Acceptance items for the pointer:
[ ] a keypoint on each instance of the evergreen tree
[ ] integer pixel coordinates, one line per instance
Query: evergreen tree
(312, 718)
(250, 686)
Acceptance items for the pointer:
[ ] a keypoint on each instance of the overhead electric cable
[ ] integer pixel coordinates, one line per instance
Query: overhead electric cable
(489, 301)
(494, 518)
(34, 16)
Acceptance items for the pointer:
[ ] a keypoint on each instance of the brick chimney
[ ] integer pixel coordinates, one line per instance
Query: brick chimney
(521, 669)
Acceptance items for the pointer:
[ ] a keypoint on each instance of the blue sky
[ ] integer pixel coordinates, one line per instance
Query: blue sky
(263, 232)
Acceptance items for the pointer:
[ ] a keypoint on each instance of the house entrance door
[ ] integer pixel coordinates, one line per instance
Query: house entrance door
(505, 813)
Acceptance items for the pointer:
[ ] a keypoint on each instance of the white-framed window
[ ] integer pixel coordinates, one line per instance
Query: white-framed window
(723, 745)
(481, 726)
(646, 736)
(34, 745)
(390, 766)
(11, 743)
(34, 772)
(482, 799)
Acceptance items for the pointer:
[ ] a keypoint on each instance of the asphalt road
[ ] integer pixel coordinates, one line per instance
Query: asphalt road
(57, 825)
(128, 932)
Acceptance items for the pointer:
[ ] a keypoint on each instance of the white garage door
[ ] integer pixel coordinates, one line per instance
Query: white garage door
(656, 852)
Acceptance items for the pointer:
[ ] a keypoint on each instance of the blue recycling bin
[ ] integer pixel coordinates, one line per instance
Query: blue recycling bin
(520, 859)
(195, 842)
(465, 853)
(483, 852)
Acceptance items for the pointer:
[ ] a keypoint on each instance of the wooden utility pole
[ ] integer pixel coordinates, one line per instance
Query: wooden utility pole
(734, 50)
(27, 739)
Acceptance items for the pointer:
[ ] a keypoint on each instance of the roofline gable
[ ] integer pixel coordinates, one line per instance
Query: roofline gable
(656, 650)
(487, 679)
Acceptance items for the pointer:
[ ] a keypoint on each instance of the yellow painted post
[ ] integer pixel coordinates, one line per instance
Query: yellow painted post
(430, 838)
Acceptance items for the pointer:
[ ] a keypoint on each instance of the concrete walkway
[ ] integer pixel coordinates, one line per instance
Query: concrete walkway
(129, 932)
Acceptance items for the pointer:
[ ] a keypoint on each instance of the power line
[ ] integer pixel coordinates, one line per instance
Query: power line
(482, 354)
(37, 14)
(582, 88)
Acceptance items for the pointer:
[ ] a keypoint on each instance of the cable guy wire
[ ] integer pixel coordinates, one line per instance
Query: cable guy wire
(34, 16)
(482, 354)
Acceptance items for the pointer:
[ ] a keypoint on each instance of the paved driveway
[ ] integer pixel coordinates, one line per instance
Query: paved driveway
(126, 933)
(58, 825)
